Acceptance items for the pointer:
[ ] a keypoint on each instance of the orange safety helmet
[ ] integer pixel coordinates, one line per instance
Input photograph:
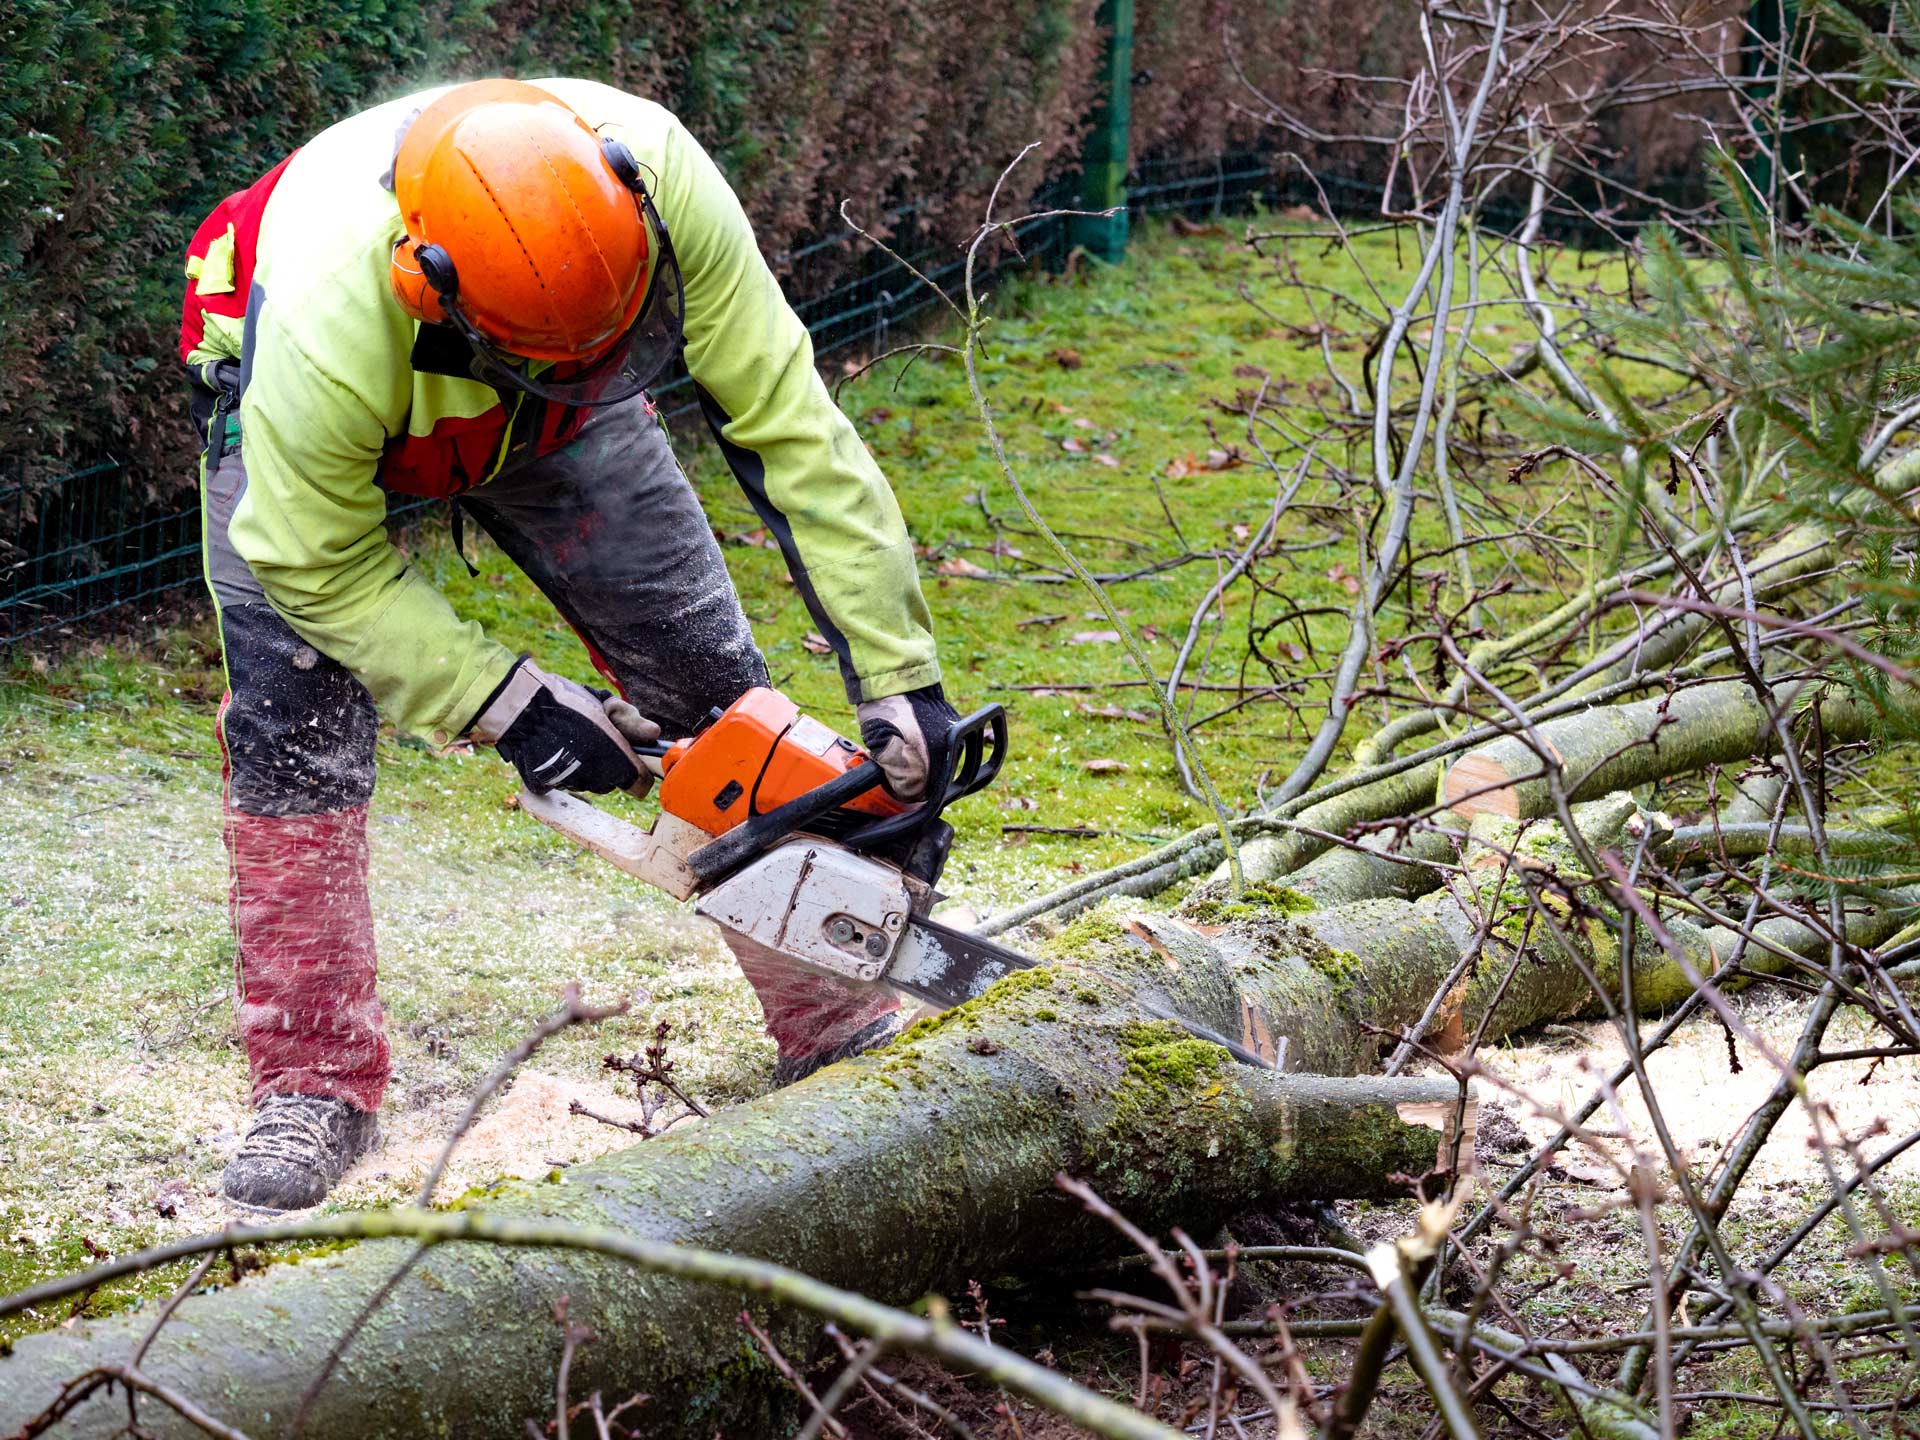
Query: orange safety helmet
(527, 232)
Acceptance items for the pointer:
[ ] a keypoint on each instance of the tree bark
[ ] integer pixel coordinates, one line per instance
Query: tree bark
(1616, 747)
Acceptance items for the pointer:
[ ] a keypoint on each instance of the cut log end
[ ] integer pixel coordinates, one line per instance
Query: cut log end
(1478, 784)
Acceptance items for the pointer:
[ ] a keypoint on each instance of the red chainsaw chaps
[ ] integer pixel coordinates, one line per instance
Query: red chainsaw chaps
(810, 1014)
(307, 1010)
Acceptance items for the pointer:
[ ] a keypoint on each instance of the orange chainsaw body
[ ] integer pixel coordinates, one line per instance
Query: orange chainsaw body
(760, 753)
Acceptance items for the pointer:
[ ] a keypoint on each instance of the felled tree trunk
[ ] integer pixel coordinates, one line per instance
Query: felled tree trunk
(1610, 747)
(893, 1175)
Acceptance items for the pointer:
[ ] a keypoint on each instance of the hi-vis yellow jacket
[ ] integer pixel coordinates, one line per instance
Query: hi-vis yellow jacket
(290, 278)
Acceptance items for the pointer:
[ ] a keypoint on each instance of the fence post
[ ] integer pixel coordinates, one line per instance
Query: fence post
(1103, 158)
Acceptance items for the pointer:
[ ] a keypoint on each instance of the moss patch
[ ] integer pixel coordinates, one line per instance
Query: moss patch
(1254, 902)
(1086, 936)
(1019, 982)
(1162, 1056)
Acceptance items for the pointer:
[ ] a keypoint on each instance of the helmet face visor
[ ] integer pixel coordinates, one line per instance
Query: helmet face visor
(624, 369)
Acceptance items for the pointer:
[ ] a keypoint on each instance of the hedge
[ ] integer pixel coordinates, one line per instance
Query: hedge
(121, 124)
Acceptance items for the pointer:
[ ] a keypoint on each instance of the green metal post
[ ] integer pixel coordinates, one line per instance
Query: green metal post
(1103, 173)
(1773, 23)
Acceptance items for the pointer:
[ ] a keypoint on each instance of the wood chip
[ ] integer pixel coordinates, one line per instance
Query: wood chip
(1105, 767)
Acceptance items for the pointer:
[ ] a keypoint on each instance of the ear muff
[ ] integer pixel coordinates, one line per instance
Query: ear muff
(620, 160)
(421, 280)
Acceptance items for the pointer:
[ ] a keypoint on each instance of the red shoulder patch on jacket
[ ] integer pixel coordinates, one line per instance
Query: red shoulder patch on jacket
(242, 210)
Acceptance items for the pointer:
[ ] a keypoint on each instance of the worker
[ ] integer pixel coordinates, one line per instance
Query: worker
(466, 294)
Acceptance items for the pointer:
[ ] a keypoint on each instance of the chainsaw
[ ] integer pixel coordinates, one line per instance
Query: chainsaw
(781, 832)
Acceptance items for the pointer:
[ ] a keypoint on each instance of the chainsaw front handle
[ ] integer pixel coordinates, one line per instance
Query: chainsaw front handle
(976, 749)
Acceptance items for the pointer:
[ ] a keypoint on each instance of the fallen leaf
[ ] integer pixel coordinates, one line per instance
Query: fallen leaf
(1019, 802)
(1582, 1172)
(1105, 459)
(879, 415)
(1182, 466)
(816, 644)
(1249, 372)
(1227, 459)
(1038, 620)
(1242, 533)
(960, 565)
(1074, 445)
(1081, 422)
(1183, 226)
(1095, 637)
(1105, 767)
(1067, 359)
(167, 1199)
(1347, 581)
(1116, 712)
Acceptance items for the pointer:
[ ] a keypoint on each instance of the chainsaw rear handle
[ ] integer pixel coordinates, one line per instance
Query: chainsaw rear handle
(976, 749)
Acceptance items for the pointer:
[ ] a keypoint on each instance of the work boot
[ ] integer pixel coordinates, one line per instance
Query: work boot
(296, 1148)
(789, 1068)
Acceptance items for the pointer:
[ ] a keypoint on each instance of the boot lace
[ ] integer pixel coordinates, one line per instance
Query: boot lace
(294, 1128)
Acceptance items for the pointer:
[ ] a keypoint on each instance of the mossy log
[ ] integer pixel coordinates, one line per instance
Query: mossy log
(897, 1174)
(1610, 747)
(1617, 747)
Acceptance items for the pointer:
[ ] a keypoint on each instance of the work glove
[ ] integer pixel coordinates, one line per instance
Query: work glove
(559, 735)
(634, 728)
(907, 736)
